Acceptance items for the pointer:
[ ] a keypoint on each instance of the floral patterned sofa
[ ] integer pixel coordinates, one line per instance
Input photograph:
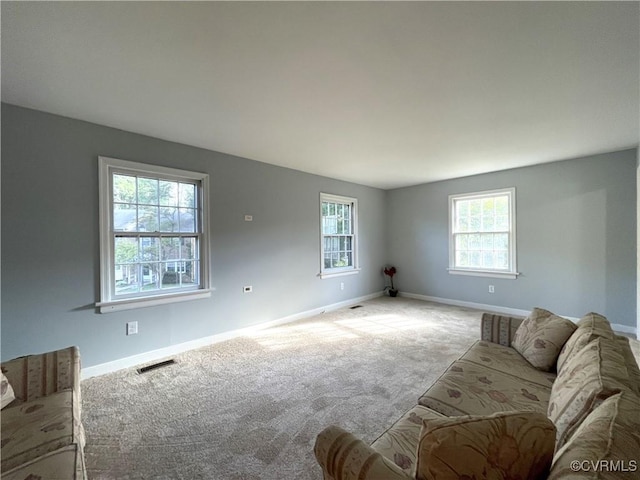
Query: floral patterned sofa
(42, 436)
(536, 398)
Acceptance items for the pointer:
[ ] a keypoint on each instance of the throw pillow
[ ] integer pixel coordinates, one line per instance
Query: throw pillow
(605, 445)
(7, 396)
(541, 336)
(499, 446)
(590, 327)
(589, 377)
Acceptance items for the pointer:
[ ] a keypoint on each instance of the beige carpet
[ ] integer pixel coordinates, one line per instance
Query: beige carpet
(250, 408)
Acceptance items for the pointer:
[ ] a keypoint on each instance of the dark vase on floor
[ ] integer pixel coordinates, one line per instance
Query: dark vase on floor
(393, 292)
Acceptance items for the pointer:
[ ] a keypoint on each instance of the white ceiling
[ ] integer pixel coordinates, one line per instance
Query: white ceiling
(385, 94)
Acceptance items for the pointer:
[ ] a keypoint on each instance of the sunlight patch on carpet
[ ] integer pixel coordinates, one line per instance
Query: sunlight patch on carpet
(381, 324)
(289, 336)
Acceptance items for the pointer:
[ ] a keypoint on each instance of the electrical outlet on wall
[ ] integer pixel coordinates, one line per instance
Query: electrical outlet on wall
(492, 289)
(341, 285)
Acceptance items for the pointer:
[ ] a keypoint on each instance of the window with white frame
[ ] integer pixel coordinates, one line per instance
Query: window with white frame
(153, 235)
(482, 233)
(339, 242)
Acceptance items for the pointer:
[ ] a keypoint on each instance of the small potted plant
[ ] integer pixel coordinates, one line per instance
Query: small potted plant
(391, 290)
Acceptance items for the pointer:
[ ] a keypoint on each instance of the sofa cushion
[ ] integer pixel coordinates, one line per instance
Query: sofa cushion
(40, 426)
(400, 442)
(541, 336)
(504, 445)
(506, 360)
(605, 444)
(36, 376)
(630, 362)
(466, 388)
(590, 327)
(6, 392)
(66, 463)
(593, 374)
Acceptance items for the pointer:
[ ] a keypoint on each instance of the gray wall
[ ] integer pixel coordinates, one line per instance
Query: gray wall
(576, 238)
(50, 241)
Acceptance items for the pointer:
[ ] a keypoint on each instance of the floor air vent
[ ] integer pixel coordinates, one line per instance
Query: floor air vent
(355, 306)
(155, 366)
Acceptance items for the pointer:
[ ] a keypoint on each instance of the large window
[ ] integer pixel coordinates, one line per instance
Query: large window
(338, 226)
(153, 228)
(482, 235)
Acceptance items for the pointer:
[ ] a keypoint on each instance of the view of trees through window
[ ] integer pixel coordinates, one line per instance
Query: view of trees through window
(156, 241)
(337, 233)
(481, 232)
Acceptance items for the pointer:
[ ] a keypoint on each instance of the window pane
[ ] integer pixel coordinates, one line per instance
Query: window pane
(487, 242)
(487, 206)
(487, 259)
(502, 205)
(475, 207)
(168, 193)
(462, 259)
(474, 224)
(189, 249)
(501, 241)
(124, 217)
(124, 188)
(462, 208)
(126, 250)
(501, 260)
(488, 224)
(150, 277)
(168, 219)
(170, 274)
(150, 249)
(462, 242)
(475, 242)
(147, 219)
(170, 249)
(187, 219)
(475, 259)
(502, 223)
(188, 274)
(327, 261)
(187, 195)
(148, 191)
(462, 224)
(126, 277)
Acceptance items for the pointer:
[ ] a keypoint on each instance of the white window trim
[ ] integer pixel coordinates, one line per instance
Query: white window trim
(108, 303)
(511, 273)
(342, 271)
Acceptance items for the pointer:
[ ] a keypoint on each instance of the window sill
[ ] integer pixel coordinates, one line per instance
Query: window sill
(131, 303)
(341, 273)
(484, 273)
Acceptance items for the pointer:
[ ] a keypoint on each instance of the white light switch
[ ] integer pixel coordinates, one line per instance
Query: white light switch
(132, 328)
(248, 218)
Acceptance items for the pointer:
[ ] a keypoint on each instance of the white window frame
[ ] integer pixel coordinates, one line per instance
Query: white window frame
(352, 269)
(109, 301)
(511, 272)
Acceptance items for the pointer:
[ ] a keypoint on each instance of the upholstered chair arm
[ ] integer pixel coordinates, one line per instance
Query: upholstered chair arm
(498, 328)
(344, 457)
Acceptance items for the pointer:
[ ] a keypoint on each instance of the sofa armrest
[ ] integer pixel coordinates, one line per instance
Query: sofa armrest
(498, 328)
(344, 457)
(35, 376)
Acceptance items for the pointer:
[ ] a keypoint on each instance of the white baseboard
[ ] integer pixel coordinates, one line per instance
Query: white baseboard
(459, 303)
(155, 355)
(506, 310)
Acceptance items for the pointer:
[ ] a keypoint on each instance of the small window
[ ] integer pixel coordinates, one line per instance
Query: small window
(339, 242)
(153, 230)
(482, 233)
